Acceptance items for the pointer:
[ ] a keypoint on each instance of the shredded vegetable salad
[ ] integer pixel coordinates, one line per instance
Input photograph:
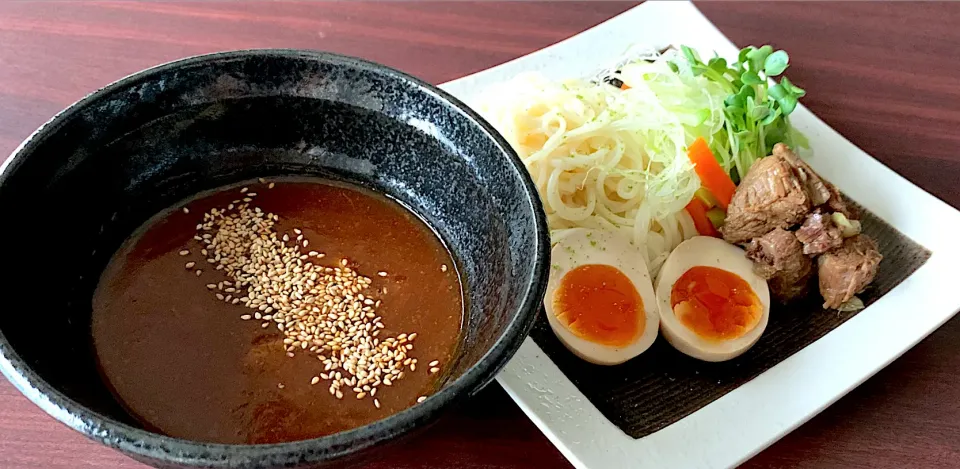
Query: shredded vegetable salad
(614, 152)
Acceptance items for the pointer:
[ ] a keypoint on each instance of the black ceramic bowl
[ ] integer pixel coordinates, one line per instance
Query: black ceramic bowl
(86, 180)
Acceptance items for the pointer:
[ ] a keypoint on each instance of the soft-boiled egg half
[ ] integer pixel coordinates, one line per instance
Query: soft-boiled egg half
(712, 305)
(600, 301)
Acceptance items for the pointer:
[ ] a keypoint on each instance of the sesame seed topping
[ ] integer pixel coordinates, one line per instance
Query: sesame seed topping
(189, 265)
(443, 268)
(185, 252)
(421, 398)
(199, 272)
(325, 311)
(271, 185)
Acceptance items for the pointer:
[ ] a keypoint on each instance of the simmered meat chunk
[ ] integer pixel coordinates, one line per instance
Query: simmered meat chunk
(778, 257)
(769, 196)
(821, 192)
(847, 270)
(819, 233)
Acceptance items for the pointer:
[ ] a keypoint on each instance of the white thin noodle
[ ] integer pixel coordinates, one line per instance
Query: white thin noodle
(606, 158)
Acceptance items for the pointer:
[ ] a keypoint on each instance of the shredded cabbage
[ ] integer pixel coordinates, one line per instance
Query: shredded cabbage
(606, 157)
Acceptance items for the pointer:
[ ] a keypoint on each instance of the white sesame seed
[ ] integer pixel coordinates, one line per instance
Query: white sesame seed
(443, 268)
(325, 311)
(185, 252)
(186, 210)
(189, 265)
(421, 398)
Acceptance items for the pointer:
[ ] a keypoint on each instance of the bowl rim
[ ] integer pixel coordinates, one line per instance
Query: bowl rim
(155, 446)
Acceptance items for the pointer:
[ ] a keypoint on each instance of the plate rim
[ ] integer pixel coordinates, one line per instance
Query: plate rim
(772, 404)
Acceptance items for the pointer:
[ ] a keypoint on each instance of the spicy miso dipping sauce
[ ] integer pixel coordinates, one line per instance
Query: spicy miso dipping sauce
(276, 311)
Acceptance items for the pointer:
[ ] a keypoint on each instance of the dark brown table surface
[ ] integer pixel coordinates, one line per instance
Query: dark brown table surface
(882, 74)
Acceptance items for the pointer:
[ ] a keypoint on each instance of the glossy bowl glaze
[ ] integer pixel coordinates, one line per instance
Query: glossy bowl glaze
(82, 183)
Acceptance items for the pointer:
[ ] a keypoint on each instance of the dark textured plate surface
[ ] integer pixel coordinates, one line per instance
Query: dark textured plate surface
(86, 180)
(662, 385)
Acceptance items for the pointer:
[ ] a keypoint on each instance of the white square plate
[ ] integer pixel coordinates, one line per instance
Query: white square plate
(741, 423)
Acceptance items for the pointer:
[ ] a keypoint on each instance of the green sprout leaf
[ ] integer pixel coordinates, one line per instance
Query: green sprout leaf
(756, 57)
(750, 78)
(756, 109)
(776, 63)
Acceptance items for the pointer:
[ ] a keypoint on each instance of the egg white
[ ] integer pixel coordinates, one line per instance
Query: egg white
(711, 252)
(582, 246)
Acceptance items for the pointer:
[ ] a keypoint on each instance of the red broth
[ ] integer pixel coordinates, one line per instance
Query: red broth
(184, 363)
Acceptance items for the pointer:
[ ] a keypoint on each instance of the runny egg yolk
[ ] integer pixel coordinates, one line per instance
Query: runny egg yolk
(715, 304)
(599, 303)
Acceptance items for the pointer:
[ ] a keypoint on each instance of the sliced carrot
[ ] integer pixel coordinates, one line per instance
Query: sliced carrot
(698, 211)
(712, 175)
(624, 86)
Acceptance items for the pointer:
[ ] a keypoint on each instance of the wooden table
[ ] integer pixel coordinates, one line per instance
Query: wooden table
(883, 74)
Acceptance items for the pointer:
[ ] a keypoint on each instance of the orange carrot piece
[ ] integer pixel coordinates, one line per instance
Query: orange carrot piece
(712, 176)
(698, 211)
(624, 86)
